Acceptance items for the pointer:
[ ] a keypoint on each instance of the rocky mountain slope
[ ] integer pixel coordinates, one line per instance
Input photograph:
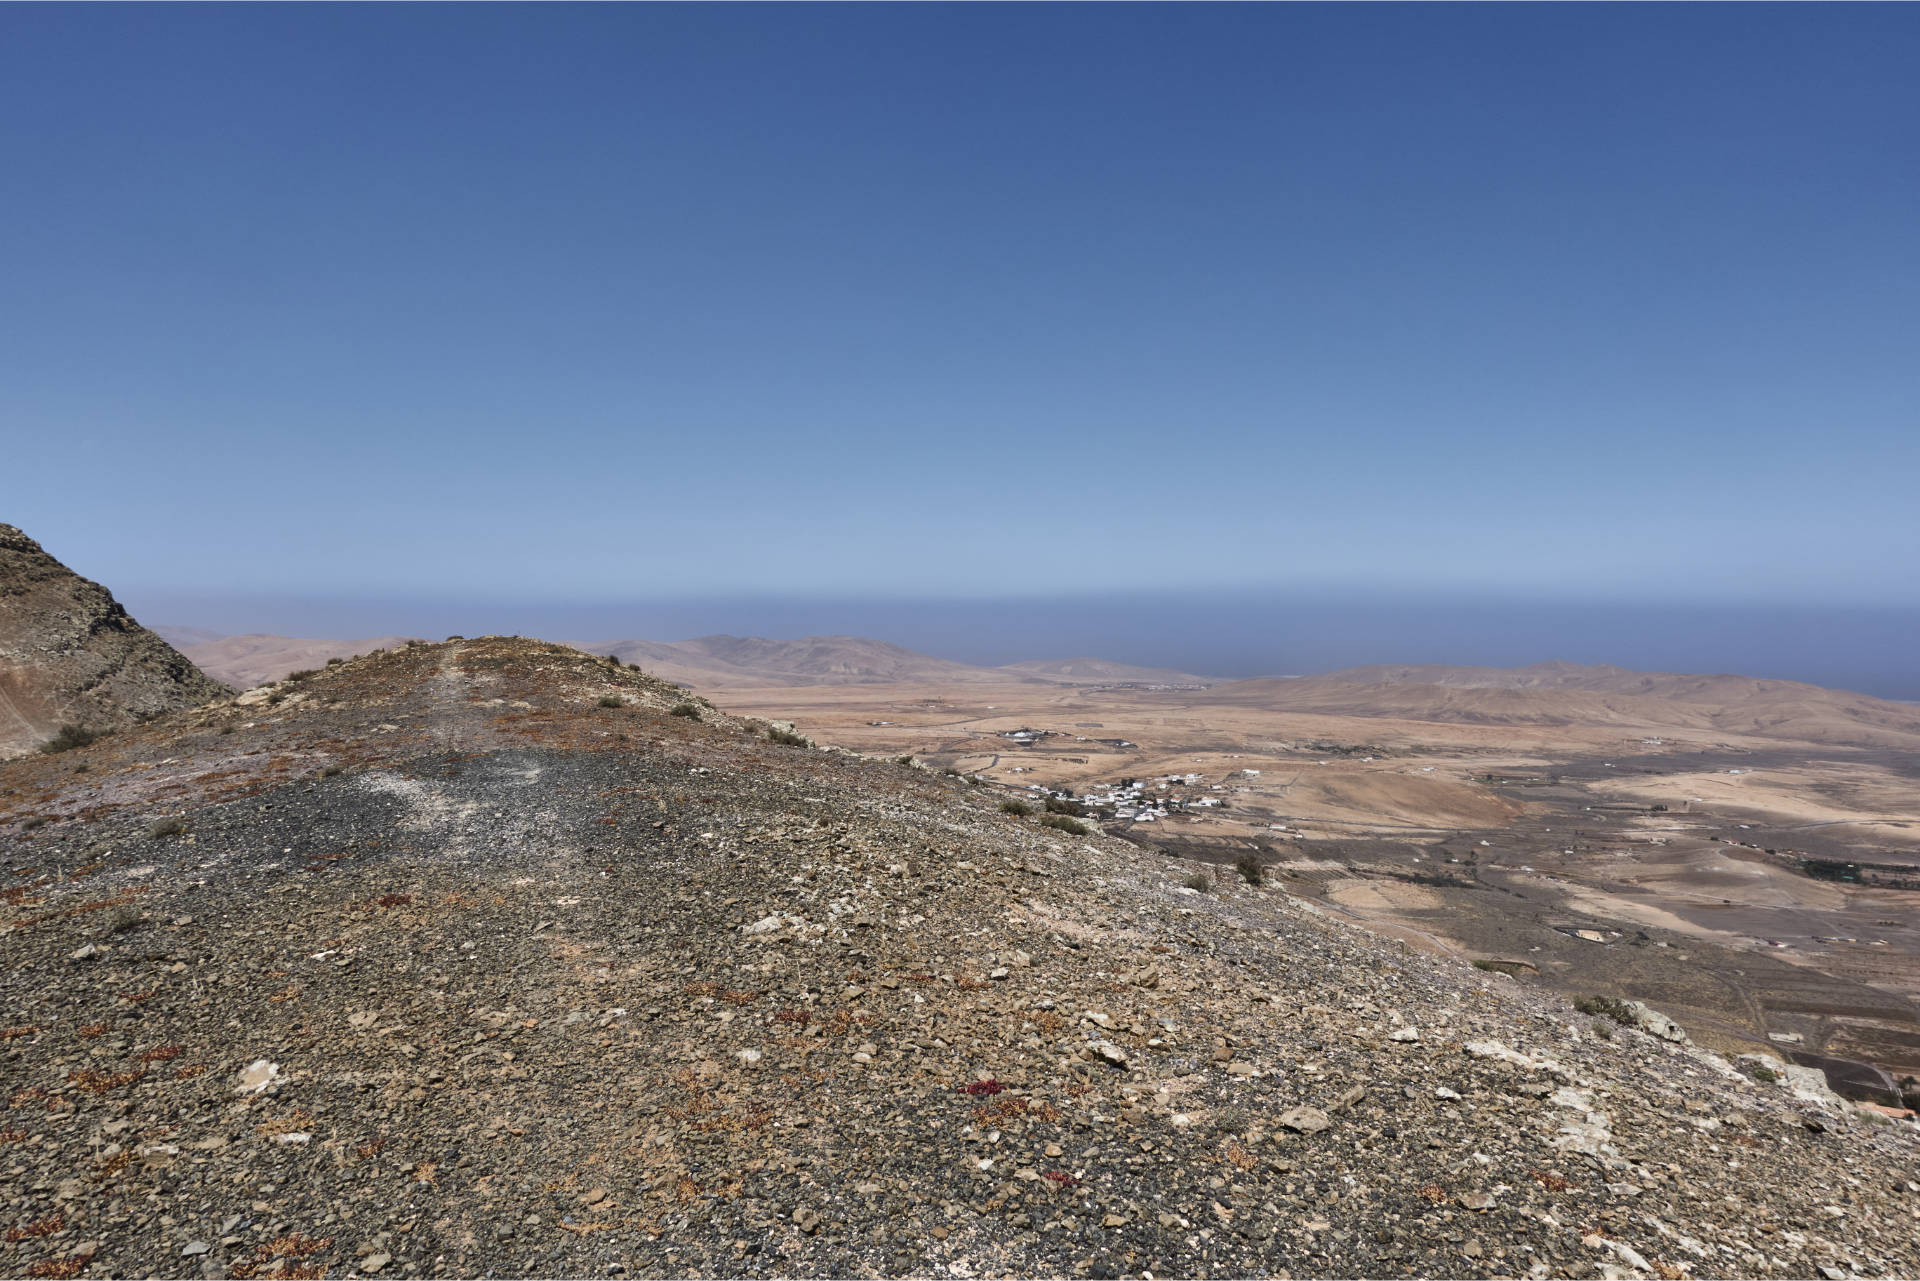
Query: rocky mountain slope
(495, 957)
(1569, 694)
(69, 654)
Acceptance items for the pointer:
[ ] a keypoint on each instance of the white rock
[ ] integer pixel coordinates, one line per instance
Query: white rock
(258, 1076)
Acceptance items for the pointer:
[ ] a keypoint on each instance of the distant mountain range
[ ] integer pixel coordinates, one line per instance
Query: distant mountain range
(1558, 693)
(1554, 693)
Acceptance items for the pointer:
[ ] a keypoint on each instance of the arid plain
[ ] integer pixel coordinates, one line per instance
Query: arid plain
(1757, 883)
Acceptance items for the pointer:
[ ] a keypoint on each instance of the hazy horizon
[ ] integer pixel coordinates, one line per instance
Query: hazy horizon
(1231, 636)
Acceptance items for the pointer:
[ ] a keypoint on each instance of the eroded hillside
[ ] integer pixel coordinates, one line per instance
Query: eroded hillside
(70, 655)
(494, 957)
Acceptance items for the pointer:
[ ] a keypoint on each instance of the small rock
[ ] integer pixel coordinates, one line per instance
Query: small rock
(1404, 1034)
(1304, 1119)
(193, 1248)
(1476, 1200)
(372, 1264)
(1107, 1052)
(257, 1076)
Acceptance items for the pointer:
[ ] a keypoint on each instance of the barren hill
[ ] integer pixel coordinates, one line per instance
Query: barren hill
(1100, 671)
(246, 661)
(1570, 694)
(69, 654)
(492, 957)
(719, 661)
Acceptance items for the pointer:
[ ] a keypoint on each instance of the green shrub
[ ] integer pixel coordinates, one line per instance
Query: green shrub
(1248, 865)
(328, 771)
(165, 827)
(70, 737)
(335, 662)
(1019, 809)
(1607, 1006)
(612, 700)
(1198, 881)
(304, 674)
(34, 821)
(1060, 822)
(787, 737)
(1766, 1074)
(1056, 805)
(688, 710)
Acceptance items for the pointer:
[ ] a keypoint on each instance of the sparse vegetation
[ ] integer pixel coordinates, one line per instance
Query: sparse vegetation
(1060, 822)
(1760, 1072)
(122, 919)
(1248, 865)
(70, 737)
(34, 821)
(1059, 805)
(335, 661)
(686, 710)
(1605, 1006)
(1198, 881)
(307, 673)
(328, 771)
(614, 700)
(163, 827)
(1019, 809)
(787, 737)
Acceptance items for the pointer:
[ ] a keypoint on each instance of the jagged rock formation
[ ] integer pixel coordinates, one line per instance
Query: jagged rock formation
(70, 655)
(495, 958)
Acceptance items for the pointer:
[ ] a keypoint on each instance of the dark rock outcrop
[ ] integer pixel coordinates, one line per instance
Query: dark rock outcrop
(70, 655)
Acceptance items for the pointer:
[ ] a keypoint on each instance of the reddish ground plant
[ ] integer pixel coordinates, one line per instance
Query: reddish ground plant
(38, 1228)
(1061, 1177)
(988, 1086)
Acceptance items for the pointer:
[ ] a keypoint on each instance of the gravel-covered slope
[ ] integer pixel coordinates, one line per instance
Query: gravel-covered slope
(436, 965)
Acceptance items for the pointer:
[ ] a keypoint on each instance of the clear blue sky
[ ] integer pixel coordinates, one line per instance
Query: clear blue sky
(633, 303)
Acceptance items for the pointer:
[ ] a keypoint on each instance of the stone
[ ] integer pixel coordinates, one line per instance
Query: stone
(1404, 1034)
(1304, 1119)
(1107, 1052)
(257, 1076)
(192, 1248)
(373, 1263)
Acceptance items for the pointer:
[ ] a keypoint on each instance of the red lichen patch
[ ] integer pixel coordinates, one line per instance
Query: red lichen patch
(137, 997)
(988, 1086)
(968, 983)
(68, 1267)
(15, 1033)
(112, 1165)
(189, 1071)
(739, 996)
(799, 1018)
(373, 1148)
(13, 1136)
(38, 1228)
(1434, 1193)
(426, 1172)
(285, 995)
(88, 1031)
(92, 1082)
(387, 901)
(32, 1094)
(161, 1053)
(1552, 1182)
(1061, 1177)
(22, 895)
(115, 901)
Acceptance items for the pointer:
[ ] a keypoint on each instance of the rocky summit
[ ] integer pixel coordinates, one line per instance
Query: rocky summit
(496, 958)
(71, 656)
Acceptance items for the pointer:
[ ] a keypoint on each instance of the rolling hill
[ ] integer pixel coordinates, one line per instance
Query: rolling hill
(1558, 693)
